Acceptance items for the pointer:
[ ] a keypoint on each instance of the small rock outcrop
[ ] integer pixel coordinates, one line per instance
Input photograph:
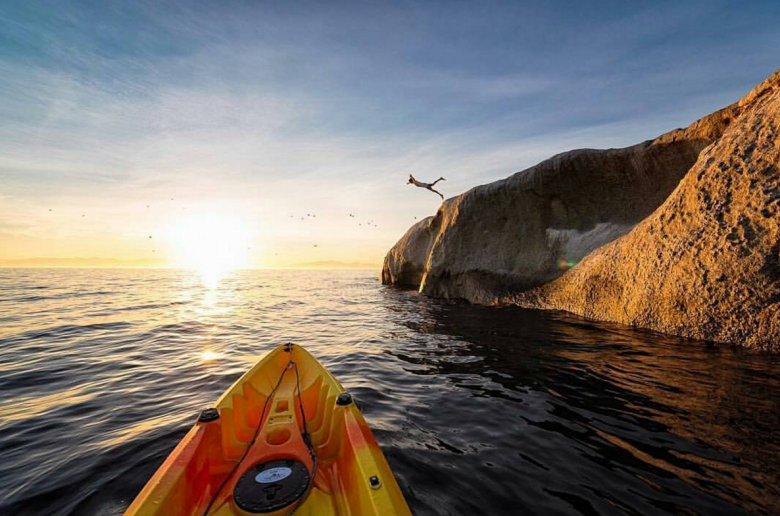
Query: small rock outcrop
(660, 243)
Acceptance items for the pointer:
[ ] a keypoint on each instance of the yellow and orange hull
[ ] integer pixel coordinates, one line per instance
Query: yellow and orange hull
(351, 476)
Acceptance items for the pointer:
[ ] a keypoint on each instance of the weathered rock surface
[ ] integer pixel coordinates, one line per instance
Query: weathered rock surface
(706, 264)
(499, 243)
(405, 263)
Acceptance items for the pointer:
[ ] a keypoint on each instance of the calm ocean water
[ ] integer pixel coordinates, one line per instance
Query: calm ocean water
(478, 410)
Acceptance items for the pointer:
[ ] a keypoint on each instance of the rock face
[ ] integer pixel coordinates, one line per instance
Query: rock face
(711, 235)
(405, 263)
(706, 264)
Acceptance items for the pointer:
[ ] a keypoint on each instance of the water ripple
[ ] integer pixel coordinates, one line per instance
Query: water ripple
(478, 410)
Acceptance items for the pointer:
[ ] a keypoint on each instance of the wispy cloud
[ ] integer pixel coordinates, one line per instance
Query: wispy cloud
(272, 110)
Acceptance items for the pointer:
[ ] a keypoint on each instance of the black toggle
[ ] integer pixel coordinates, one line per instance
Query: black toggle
(208, 415)
(344, 399)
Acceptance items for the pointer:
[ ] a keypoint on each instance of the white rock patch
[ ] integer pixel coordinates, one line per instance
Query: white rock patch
(574, 245)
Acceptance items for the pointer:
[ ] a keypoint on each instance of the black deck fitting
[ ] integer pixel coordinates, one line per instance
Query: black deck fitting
(208, 415)
(344, 399)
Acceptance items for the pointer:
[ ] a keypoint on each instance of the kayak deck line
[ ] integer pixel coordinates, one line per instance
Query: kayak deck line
(284, 439)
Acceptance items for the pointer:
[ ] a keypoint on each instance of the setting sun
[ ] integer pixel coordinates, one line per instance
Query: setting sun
(210, 242)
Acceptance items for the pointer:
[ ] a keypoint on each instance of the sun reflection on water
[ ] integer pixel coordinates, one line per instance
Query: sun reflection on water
(208, 355)
(211, 278)
(212, 291)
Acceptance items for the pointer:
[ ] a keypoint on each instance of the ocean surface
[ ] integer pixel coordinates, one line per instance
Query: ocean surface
(480, 411)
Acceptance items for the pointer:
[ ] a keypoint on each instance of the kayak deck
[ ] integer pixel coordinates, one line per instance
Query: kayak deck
(292, 393)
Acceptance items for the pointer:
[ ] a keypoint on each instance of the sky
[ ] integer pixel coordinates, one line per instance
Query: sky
(245, 133)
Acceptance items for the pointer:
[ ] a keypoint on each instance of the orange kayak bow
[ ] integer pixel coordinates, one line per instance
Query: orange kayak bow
(285, 438)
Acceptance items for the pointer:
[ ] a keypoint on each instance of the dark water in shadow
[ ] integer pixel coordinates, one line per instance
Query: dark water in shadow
(478, 410)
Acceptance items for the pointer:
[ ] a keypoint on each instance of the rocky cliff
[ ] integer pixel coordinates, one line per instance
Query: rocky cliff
(684, 229)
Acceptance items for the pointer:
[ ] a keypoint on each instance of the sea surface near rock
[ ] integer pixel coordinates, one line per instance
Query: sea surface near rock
(702, 264)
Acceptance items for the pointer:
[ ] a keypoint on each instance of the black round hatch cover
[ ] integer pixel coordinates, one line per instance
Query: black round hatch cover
(269, 486)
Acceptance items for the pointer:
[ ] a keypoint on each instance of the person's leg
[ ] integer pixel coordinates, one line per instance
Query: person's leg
(434, 191)
(440, 179)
